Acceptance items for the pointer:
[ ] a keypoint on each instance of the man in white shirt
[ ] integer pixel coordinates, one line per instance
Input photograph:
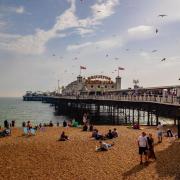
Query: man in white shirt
(143, 146)
(159, 132)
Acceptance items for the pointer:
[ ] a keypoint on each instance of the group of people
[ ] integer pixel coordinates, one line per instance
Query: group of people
(110, 135)
(146, 147)
(7, 128)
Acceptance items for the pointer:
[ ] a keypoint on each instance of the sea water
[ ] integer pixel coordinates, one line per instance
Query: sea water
(34, 111)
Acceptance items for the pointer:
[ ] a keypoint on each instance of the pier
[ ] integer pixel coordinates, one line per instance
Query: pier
(118, 109)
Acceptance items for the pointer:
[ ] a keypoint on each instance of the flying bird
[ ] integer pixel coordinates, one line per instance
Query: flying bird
(53, 55)
(116, 58)
(98, 11)
(107, 55)
(162, 15)
(163, 59)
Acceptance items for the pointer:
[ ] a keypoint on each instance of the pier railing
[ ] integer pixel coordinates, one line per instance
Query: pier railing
(170, 99)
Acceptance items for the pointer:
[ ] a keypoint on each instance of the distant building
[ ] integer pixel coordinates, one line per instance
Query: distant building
(97, 84)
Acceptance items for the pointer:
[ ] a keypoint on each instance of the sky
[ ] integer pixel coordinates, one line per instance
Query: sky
(44, 41)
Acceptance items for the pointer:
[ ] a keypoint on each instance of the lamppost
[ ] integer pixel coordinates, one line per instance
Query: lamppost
(58, 90)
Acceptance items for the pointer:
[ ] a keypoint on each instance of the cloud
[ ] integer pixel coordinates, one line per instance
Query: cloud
(78, 46)
(141, 30)
(36, 43)
(3, 24)
(20, 10)
(103, 9)
(103, 44)
(12, 9)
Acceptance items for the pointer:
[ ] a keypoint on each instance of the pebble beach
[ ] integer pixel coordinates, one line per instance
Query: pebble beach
(44, 157)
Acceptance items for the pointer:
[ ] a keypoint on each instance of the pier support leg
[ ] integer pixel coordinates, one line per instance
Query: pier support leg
(148, 123)
(133, 117)
(138, 116)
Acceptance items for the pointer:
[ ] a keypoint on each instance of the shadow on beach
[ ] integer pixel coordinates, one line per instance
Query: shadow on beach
(167, 163)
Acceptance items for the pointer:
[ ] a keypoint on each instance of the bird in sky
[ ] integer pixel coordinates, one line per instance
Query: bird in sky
(53, 55)
(107, 55)
(98, 11)
(163, 59)
(127, 49)
(162, 15)
(154, 51)
(116, 58)
(157, 31)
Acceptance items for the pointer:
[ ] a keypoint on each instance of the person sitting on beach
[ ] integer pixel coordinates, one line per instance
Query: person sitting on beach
(23, 124)
(109, 135)
(6, 124)
(69, 124)
(99, 136)
(13, 123)
(50, 124)
(29, 125)
(91, 127)
(64, 123)
(114, 133)
(63, 137)
(103, 146)
(6, 132)
(169, 133)
(136, 126)
(85, 127)
(94, 133)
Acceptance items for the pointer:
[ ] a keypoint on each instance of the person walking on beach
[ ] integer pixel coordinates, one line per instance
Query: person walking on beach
(159, 132)
(143, 146)
(151, 153)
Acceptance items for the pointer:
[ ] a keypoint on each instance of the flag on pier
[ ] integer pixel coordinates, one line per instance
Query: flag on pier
(82, 67)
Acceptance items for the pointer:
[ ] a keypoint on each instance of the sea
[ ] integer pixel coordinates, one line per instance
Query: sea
(34, 111)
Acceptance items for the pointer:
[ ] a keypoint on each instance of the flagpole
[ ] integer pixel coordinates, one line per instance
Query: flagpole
(80, 71)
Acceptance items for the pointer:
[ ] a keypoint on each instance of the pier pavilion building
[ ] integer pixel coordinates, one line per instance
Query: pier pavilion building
(92, 85)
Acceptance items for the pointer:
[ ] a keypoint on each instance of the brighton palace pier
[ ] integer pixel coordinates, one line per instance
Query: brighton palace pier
(105, 102)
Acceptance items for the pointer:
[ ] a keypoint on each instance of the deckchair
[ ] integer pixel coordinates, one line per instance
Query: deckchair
(33, 131)
(25, 130)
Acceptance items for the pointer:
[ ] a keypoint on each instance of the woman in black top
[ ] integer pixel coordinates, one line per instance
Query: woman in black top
(151, 147)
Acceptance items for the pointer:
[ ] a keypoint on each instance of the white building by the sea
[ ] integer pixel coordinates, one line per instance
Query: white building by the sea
(96, 84)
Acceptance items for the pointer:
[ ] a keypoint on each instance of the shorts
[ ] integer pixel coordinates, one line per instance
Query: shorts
(159, 134)
(142, 150)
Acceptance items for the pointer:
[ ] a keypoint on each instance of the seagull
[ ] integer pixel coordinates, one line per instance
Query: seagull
(162, 15)
(127, 49)
(157, 31)
(116, 58)
(107, 55)
(53, 55)
(163, 59)
(75, 58)
(154, 51)
(98, 11)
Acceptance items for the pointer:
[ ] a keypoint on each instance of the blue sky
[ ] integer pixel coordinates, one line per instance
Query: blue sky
(82, 33)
